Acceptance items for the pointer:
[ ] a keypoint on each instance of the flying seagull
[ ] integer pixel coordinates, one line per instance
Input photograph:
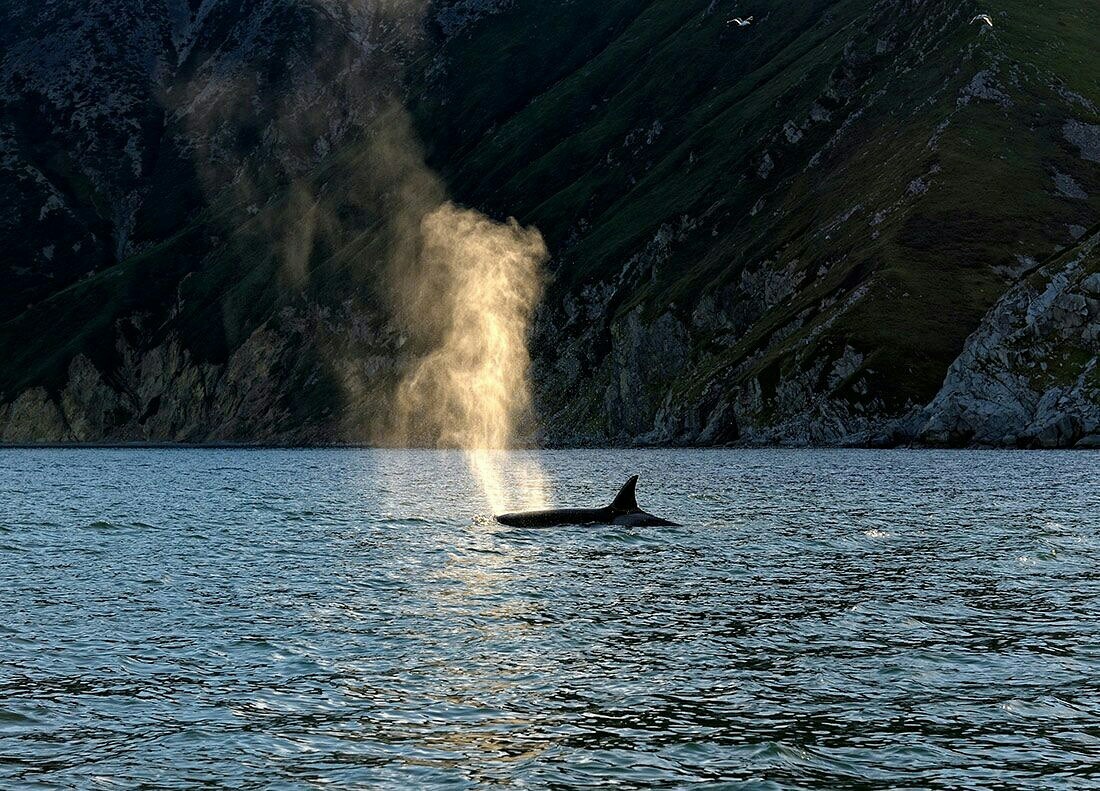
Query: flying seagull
(740, 22)
(982, 18)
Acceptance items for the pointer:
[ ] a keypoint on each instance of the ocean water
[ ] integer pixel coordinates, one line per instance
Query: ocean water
(350, 619)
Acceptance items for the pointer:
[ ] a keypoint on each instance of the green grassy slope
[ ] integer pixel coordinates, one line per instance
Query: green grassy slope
(919, 167)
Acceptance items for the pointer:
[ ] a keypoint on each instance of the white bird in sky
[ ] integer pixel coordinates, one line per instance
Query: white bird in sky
(982, 18)
(740, 22)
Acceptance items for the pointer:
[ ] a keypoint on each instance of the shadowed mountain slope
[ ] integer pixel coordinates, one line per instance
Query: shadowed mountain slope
(780, 233)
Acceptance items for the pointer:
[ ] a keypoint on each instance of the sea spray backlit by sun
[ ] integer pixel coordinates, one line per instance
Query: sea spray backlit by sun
(470, 300)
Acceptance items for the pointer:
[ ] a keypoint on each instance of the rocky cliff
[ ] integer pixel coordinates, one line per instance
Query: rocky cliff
(1030, 374)
(854, 222)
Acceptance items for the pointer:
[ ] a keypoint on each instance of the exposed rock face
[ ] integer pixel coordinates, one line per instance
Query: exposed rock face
(643, 358)
(1030, 374)
(164, 394)
(32, 417)
(1086, 137)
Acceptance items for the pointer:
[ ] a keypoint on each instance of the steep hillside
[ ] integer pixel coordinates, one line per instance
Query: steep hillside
(783, 232)
(780, 233)
(121, 120)
(172, 331)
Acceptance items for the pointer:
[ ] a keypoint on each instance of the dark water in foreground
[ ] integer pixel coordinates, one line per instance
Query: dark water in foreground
(295, 618)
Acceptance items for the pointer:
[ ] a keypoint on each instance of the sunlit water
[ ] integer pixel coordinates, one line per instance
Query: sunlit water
(349, 619)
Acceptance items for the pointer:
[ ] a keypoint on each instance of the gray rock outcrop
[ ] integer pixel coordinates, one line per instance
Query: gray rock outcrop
(1030, 375)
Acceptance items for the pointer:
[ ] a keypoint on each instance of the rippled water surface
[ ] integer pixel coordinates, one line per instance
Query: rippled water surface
(349, 618)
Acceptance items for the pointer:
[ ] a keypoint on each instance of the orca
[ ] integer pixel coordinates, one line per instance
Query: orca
(623, 510)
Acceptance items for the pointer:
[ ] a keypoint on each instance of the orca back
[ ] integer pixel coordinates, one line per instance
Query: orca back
(624, 510)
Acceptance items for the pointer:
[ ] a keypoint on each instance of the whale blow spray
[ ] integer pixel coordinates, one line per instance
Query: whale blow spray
(470, 303)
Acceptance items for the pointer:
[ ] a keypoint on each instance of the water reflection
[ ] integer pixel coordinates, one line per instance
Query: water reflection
(479, 669)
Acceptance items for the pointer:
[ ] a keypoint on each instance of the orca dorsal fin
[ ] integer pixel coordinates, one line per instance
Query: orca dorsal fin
(626, 501)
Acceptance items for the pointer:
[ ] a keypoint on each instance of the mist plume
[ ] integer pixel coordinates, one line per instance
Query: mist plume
(469, 303)
(460, 288)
